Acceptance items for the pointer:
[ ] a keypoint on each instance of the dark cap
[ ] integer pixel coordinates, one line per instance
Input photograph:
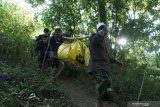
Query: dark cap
(46, 30)
(58, 30)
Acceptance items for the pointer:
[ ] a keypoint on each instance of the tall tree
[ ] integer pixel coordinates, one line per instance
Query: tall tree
(102, 10)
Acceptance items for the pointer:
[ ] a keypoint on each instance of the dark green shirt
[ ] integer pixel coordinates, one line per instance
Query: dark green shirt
(99, 52)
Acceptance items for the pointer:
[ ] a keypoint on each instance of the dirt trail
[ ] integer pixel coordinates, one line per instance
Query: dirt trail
(78, 94)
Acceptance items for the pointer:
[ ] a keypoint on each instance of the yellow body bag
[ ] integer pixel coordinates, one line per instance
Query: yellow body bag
(77, 52)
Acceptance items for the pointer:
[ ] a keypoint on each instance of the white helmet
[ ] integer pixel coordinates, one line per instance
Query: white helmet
(100, 24)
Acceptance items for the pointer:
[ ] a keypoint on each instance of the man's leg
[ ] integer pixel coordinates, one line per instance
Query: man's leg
(50, 61)
(99, 103)
(103, 87)
(40, 58)
(59, 68)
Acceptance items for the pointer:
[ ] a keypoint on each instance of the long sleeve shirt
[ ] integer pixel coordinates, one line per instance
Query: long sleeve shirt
(55, 42)
(99, 53)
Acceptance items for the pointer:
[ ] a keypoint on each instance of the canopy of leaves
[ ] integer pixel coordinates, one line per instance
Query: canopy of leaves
(134, 20)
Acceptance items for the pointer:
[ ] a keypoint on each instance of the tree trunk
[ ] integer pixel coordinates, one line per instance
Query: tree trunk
(102, 11)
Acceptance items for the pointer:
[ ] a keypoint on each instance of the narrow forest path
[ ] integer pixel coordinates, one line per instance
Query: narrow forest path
(78, 94)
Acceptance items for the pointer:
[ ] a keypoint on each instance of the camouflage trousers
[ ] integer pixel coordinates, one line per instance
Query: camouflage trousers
(103, 85)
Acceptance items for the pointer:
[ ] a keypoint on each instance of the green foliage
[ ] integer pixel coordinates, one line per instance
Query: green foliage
(134, 20)
(15, 30)
(17, 47)
(64, 19)
(35, 2)
(127, 81)
(26, 81)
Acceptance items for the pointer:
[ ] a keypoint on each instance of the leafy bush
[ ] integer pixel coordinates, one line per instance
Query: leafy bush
(29, 87)
(15, 28)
